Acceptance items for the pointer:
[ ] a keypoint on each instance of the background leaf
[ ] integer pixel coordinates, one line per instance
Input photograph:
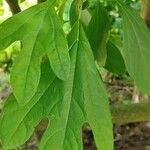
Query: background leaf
(114, 61)
(97, 32)
(136, 51)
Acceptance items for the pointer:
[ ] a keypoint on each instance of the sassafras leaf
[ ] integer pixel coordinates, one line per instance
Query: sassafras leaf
(82, 98)
(39, 30)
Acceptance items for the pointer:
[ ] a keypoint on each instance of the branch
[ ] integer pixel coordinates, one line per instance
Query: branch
(40, 1)
(129, 113)
(14, 6)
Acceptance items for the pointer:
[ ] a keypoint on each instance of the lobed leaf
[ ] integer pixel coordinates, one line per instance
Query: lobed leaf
(82, 99)
(39, 30)
(17, 122)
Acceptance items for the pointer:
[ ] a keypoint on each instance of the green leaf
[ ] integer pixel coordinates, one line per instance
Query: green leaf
(83, 99)
(114, 61)
(136, 47)
(39, 30)
(75, 11)
(67, 104)
(97, 32)
(23, 119)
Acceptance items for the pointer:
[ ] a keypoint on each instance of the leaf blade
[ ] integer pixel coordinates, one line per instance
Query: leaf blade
(114, 61)
(25, 118)
(74, 108)
(136, 47)
(97, 32)
(32, 32)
